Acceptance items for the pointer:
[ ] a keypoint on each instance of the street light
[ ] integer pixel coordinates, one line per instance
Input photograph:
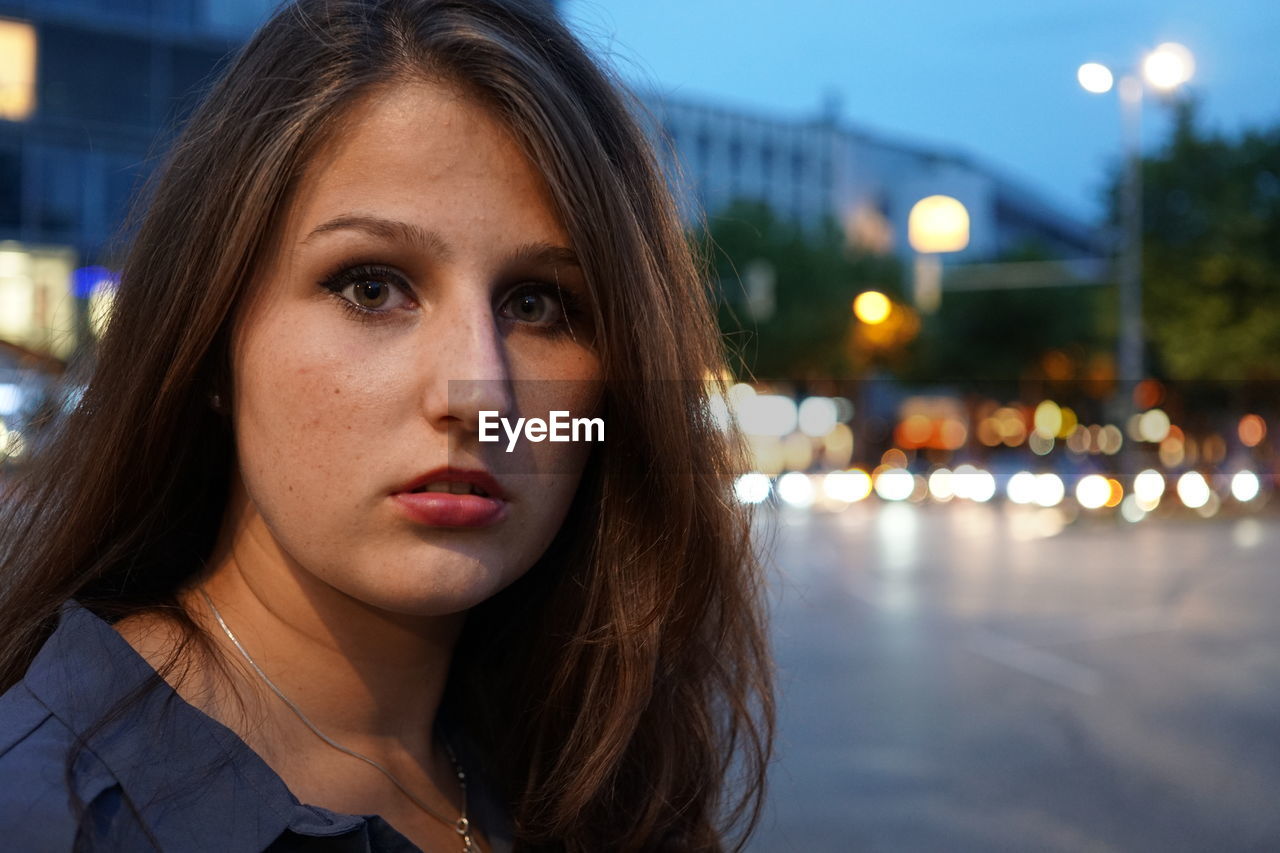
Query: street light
(1168, 66)
(872, 307)
(1165, 68)
(937, 223)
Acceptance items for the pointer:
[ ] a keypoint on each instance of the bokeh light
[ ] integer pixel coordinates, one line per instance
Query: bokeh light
(817, 416)
(895, 484)
(1049, 490)
(1252, 429)
(848, 486)
(973, 483)
(1048, 419)
(1245, 486)
(938, 223)
(872, 307)
(1148, 488)
(1193, 490)
(1131, 509)
(1095, 77)
(942, 485)
(1093, 491)
(766, 414)
(796, 489)
(893, 458)
(1021, 488)
(1110, 440)
(1168, 66)
(1153, 425)
(752, 488)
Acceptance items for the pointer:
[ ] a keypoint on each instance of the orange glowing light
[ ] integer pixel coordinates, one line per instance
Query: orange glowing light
(915, 431)
(872, 307)
(1117, 493)
(952, 434)
(1147, 394)
(894, 458)
(1213, 449)
(1252, 430)
(989, 432)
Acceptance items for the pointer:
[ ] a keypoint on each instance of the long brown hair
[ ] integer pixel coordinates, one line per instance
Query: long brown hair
(622, 688)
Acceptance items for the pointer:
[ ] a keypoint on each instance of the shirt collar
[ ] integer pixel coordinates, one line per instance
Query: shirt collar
(197, 786)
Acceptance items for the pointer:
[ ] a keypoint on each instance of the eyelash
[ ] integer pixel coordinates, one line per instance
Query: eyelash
(346, 275)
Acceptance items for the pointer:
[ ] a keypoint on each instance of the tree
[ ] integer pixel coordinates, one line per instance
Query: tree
(816, 277)
(1211, 252)
(1010, 334)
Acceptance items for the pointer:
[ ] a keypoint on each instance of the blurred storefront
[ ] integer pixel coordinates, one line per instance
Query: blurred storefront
(37, 304)
(90, 92)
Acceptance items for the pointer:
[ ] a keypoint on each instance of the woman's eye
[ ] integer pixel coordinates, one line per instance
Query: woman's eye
(369, 290)
(371, 294)
(535, 307)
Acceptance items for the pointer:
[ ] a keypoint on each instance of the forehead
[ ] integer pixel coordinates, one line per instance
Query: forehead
(426, 153)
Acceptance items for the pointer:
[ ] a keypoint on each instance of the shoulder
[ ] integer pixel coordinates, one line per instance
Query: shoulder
(44, 776)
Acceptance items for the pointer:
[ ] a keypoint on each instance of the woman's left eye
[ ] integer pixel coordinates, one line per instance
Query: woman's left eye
(535, 306)
(366, 290)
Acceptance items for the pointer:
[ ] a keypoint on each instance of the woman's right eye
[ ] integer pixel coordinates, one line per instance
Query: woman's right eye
(368, 290)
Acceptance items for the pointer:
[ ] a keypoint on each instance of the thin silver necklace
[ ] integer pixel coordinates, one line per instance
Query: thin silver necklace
(461, 826)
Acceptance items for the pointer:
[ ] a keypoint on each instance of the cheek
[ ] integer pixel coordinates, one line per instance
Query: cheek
(306, 419)
(553, 375)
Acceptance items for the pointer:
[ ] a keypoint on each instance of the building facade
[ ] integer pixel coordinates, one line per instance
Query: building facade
(90, 91)
(809, 170)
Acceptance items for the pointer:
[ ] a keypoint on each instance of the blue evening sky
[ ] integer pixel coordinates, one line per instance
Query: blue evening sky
(992, 78)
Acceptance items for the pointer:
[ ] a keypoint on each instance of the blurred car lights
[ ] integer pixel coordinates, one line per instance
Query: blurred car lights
(1245, 486)
(796, 489)
(765, 414)
(895, 484)
(941, 485)
(1193, 490)
(1131, 510)
(1148, 488)
(848, 486)
(1093, 491)
(1021, 488)
(752, 488)
(817, 416)
(1049, 490)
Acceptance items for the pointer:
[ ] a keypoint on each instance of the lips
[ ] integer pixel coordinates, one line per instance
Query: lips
(453, 497)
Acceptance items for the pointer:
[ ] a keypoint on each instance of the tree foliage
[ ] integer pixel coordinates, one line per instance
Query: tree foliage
(1013, 333)
(1211, 252)
(816, 277)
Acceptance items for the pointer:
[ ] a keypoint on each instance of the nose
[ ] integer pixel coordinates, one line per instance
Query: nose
(469, 369)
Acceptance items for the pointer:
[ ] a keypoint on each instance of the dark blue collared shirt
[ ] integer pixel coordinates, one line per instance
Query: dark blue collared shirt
(161, 775)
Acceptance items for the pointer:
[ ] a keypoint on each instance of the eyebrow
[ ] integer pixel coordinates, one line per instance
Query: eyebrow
(539, 252)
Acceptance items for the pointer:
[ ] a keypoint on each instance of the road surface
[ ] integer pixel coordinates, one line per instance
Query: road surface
(971, 677)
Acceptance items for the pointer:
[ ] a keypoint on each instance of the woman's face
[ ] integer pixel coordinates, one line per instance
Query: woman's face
(421, 247)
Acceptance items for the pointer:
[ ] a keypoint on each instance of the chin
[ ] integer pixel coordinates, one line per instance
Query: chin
(438, 584)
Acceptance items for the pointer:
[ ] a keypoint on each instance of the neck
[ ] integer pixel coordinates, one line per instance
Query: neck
(364, 676)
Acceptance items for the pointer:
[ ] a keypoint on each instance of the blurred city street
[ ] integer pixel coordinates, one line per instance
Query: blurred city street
(954, 679)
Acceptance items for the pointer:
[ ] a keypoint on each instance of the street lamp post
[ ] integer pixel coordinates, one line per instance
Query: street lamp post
(1129, 358)
(1165, 68)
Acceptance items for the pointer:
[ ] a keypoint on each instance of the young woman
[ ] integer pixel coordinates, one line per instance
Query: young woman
(267, 589)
